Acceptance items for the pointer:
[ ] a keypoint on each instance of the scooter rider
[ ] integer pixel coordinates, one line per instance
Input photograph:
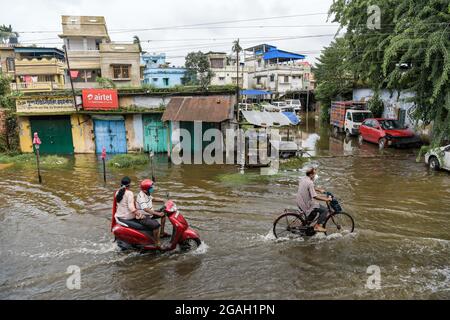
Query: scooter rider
(146, 214)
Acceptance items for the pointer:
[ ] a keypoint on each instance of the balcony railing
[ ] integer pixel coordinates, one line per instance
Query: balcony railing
(36, 86)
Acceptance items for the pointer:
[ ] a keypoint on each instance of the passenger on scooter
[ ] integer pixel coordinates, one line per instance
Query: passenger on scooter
(126, 210)
(306, 196)
(144, 204)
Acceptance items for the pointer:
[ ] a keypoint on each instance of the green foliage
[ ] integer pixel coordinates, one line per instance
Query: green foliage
(334, 77)
(128, 160)
(7, 33)
(198, 70)
(105, 83)
(28, 159)
(9, 141)
(411, 52)
(376, 105)
(294, 163)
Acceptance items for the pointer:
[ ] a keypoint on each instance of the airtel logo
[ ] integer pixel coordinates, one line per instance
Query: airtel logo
(99, 97)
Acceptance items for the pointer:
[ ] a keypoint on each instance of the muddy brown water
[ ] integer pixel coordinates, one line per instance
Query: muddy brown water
(402, 213)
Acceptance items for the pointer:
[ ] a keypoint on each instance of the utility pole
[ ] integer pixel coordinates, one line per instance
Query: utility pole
(71, 82)
(237, 79)
(307, 111)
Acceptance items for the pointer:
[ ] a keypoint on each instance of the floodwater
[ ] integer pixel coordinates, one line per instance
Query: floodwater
(401, 211)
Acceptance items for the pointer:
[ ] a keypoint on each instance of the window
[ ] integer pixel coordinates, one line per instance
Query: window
(258, 80)
(121, 71)
(349, 116)
(286, 79)
(221, 78)
(87, 75)
(272, 78)
(166, 81)
(155, 79)
(10, 66)
(46, 78)
(217, 63)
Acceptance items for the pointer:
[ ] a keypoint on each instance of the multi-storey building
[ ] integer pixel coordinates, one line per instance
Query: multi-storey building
(276, 70)
(91, 53)
(225, 70)
(159, 73)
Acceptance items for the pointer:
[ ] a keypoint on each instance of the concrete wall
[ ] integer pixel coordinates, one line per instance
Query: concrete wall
(392, 102)
(135, 133)
(26, 143)
(143, 101)
(82, 133)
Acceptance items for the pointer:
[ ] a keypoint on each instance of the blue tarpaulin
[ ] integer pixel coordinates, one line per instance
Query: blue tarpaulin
(255, 92)
(280, 54)
(292, 118)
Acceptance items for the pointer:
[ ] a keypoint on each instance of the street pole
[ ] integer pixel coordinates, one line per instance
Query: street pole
(37, 143)
(104, 163)
(307, 111)
(237, 80)
(71, 81)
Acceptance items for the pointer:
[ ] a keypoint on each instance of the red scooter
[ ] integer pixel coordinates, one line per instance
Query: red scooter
(133, 235)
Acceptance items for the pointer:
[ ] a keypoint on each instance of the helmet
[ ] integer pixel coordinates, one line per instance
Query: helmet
(146, 185)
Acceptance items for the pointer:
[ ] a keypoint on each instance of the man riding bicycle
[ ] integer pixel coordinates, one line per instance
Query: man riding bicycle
(306, 200)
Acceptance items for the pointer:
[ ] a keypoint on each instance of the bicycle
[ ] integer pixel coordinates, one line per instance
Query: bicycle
(296, 222)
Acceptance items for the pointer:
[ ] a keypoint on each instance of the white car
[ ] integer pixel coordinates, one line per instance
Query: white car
(438, 158)
(296, 104)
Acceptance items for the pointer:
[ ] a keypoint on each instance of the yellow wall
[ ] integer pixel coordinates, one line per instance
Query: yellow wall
(26, 143)
(82, 133)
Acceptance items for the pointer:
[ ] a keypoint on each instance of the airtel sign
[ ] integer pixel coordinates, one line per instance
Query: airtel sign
(100, 99)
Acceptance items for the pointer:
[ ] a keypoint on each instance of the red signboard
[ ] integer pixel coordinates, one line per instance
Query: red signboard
(100, 99)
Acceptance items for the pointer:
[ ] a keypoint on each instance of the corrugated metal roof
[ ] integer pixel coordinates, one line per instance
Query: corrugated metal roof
(280, 54)
(266, 119)
(206, 109)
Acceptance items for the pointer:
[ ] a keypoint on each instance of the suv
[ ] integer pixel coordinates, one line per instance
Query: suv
(387, 132)
(438, 158)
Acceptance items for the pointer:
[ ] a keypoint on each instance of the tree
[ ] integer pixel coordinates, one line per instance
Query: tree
(334, 77)
(105, 83)
(10, 140)
(7, 35)
(136, 40)
(198, 69)
(410, 52)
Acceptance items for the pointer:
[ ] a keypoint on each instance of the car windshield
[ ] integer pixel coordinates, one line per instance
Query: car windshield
(361, 116)
(391, 125)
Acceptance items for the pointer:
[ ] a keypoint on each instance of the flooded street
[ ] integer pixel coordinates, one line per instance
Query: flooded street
(401, 210)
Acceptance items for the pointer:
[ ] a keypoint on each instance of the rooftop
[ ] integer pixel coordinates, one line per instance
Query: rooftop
(84, 26)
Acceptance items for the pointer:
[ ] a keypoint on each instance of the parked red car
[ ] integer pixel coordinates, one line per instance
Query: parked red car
(387, 132)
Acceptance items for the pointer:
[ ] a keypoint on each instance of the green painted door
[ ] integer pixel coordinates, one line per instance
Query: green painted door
(155, 134)
(55, 133)
(195, 144)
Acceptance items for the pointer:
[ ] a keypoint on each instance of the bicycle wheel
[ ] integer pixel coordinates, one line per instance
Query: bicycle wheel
(288, 224)
(339, 223)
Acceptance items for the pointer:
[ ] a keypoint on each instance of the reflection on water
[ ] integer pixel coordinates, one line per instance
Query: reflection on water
(400, 208)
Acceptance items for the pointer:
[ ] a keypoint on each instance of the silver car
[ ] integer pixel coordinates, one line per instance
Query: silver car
(438, 158)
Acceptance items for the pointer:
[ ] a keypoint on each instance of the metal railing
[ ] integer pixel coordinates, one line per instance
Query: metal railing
(36, 86)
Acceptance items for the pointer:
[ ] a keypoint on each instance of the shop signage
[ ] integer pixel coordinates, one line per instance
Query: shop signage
(100, 99)
(45, 105)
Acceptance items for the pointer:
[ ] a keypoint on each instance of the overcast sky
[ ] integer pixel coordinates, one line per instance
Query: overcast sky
(45, 15)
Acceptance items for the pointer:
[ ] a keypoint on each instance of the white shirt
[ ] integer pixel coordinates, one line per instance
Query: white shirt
(126, 207)
(144, 201)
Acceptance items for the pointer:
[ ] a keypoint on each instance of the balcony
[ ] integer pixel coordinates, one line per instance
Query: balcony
(36, 86)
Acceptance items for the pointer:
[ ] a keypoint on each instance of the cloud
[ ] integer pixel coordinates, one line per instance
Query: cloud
(45, 15)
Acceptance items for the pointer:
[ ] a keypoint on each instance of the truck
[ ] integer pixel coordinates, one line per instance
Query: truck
(347, 116)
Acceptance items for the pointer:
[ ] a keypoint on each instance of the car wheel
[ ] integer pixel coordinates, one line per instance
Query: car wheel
(434, 164)
(360, 139)
(382, 143)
